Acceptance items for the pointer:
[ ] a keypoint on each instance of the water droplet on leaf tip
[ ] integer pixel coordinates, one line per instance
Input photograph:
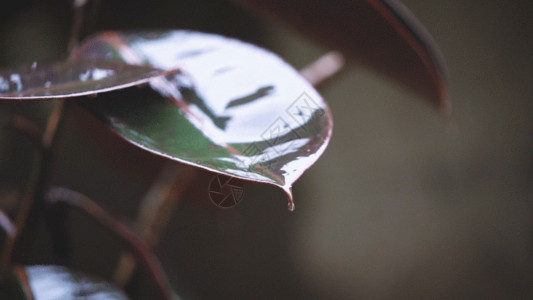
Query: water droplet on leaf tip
(291, 206)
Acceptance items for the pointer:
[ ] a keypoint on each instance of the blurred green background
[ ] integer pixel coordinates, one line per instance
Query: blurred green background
(403, 204)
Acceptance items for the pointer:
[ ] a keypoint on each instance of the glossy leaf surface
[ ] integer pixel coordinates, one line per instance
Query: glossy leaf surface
(233, 108)
(380, 34)
(55, 282)
(71, 79)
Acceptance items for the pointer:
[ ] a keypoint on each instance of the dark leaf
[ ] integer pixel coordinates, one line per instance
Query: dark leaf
(380, 34)
(71, 79)
(233, 108)
(55, 283)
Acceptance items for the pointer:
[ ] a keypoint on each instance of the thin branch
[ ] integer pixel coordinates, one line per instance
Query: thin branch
(78, 7)
(26, 127)
(31, 202)
(136, 245)
(52, 125)
(33, 132)
(31, 205)
(156, 210)
(24, 211)
(323, 68)
(24, 280)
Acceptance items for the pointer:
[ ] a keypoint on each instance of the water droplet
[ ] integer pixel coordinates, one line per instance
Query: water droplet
(291, 206)
(15, 79)
(98, 74)
(288, 191)
(85, 75)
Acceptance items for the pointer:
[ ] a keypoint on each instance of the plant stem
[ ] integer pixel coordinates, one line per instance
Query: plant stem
(54, 120)
(136, 245)
(27, 127)
(323, 68)
(156, 210)
(78, 7)
(31, 206)
(24, 281)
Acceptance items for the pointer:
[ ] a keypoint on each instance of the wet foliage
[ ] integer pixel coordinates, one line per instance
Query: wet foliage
(203, 100)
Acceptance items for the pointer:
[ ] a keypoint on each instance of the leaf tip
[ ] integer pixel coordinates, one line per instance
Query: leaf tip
(290, 198)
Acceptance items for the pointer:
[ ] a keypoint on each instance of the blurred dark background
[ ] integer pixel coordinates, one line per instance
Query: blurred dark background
(404, 204)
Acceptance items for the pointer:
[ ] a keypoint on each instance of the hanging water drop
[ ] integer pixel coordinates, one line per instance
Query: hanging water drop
(288, 191)
(291, 206)
(15, 79)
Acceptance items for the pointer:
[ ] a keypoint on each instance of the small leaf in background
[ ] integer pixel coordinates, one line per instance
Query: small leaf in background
(54, 283)
(233, 108)
(382, 35)
(71, 79)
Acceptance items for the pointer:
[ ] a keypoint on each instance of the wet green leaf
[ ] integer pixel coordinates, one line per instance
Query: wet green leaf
(71, 79)
(233, 108)
(55, 283)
